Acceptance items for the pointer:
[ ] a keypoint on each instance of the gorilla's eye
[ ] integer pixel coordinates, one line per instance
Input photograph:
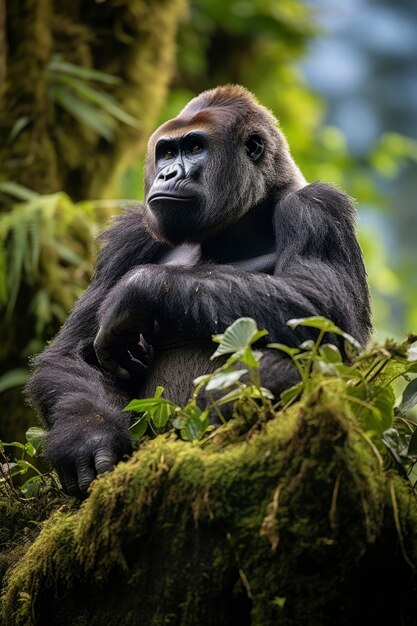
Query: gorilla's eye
(254, 147)
(168, 154)
(196, 148)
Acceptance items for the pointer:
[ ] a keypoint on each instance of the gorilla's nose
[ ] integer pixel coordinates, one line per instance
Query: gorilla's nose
(171, 174)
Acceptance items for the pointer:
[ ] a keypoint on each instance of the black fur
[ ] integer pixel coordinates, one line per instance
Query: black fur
(263, 244)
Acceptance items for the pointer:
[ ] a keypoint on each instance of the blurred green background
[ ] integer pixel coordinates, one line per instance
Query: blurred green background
(84, 83)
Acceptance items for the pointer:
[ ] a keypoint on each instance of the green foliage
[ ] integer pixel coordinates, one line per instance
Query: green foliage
(73, 88)
(368, 382)
(30, 478)
(242, 509)
(46, 246)
(192, 421)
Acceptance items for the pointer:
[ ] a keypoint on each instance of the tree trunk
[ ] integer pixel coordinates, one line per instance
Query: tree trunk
(132, 40)
(46, 149)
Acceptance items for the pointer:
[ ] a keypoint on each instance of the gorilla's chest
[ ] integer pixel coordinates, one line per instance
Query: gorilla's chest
(175, 368)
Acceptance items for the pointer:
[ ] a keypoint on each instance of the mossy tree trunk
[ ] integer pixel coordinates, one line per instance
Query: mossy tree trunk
(130, 39)
(293, 522)
(46, 149)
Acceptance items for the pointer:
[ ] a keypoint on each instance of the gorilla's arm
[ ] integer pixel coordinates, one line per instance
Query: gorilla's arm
(319, 271)
(81, 405)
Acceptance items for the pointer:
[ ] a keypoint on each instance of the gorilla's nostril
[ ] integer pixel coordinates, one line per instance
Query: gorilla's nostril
(169, 175)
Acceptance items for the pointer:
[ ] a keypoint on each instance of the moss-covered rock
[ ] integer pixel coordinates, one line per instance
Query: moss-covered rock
(291, 522)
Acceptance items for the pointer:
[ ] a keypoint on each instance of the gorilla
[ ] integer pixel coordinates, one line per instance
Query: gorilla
(229, 228)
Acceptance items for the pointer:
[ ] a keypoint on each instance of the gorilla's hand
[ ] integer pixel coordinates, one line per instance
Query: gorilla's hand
(82, 449)
(119, 344)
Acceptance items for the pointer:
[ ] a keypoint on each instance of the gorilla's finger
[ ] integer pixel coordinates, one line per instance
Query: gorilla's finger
(102, 347)
(71, 483)
(61, 478)
(104, 460)
(145, 345)
(142, 351)
(85, 474)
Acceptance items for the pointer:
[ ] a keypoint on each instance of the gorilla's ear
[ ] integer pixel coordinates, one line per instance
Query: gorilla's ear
(254, 147)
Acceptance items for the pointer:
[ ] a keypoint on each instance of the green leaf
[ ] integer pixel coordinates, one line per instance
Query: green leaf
(13, 378)
(201, 379)
(237, 337)
(158, 409)
(20, 467)
(147, 404)
(13, 444)
(87, 73)
(29, 488)
(179, 422)
(85, 113)
(327, 369)
(30, 449)
(375, 410)
(409, 398)
(232, 396)
(192, 410)
(258, 393)
(161, 413)
(158, 392)
(17, 128)
(100, 99)
(196, 424)
(344, 371)
(396, 444)
(307, 345)
(412, 446)
(36, 437)
(67, 254)
(330, 353)
(291, 393)
(412, 475)
(384, 401)
(138, 428)
(322, 323)
(251, 358)
(224, 379)
(18, 191)
(16, 470)
(283, 348)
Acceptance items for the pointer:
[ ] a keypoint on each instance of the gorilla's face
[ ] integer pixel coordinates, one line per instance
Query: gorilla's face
(204, 170)
(176, 200)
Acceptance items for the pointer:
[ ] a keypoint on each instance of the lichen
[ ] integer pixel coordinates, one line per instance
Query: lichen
(287, 526)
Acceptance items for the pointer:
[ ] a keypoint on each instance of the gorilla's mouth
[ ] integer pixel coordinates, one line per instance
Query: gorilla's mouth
(166, 197)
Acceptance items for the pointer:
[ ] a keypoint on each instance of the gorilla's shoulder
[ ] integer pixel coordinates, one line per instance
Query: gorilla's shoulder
(127, 224)
(325, 200)
(127, 243)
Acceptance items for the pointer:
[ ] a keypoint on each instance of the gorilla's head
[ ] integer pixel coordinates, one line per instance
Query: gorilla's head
(220, 157)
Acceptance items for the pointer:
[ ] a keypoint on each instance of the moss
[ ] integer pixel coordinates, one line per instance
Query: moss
(286, 526)
(131, 40)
